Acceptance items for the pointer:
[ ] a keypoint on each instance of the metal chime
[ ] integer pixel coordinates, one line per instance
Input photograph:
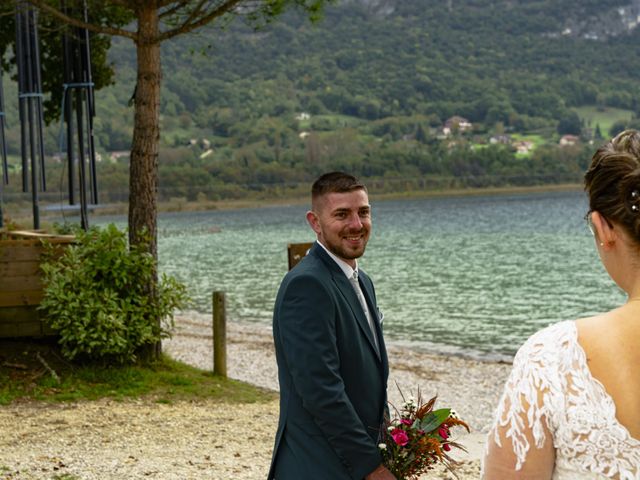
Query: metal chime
(30, 105)
(78, 112)
(3, 151)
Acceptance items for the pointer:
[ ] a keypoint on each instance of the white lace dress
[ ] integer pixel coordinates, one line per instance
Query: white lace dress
(553, 407)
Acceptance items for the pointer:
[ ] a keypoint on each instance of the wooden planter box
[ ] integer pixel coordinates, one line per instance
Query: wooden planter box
(21, 282)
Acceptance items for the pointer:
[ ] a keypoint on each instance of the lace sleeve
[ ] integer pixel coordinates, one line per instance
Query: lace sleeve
(522, 418)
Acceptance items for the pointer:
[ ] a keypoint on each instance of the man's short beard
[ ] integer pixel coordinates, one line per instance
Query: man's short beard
(347, 255)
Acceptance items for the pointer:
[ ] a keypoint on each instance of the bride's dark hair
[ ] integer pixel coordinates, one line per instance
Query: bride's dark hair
(612, 181)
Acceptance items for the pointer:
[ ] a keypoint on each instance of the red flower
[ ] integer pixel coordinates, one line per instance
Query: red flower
(400, 436)
(418, 438)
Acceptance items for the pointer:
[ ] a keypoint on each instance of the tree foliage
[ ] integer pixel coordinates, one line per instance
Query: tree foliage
(51, 52)
(150, 24)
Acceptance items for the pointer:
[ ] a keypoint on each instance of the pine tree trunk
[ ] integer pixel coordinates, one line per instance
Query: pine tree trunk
(143, 172)
(143, 180)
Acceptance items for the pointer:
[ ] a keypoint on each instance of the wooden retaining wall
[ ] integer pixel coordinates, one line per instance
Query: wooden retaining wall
(21, 282)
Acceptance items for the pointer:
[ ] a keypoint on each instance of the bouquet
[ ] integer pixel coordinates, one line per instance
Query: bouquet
(418, 438)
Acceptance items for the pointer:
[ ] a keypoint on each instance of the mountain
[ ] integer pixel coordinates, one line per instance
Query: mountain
(370, 86)
(510, 61)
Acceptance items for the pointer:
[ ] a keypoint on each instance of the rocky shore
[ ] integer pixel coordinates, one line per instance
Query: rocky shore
(142, 439)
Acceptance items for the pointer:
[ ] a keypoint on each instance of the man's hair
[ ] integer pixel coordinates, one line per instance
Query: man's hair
(335, 182)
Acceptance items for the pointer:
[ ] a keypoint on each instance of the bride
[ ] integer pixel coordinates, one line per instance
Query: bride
(571, 406)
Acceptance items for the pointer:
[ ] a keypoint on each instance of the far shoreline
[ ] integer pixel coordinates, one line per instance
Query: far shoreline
(22, 216)
(166, 207)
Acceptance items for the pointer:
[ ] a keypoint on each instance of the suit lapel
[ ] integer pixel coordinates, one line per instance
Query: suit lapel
(346, 289)
(367, 290)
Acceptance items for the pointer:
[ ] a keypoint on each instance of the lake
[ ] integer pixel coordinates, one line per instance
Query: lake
(472, 275)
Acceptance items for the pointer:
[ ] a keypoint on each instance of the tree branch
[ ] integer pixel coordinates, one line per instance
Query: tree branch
(49, 369)
(201, 21)
(173, 9)
(103, 29)
(121, 3)
(195, 12)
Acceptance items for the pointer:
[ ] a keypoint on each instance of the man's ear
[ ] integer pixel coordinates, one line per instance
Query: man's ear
(314, 222)
(605, 233)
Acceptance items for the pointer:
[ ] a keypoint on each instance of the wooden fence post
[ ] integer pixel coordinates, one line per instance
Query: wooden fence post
(296, 252)
(219, 334)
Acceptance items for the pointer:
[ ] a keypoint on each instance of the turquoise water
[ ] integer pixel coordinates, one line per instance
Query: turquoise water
(470, 275)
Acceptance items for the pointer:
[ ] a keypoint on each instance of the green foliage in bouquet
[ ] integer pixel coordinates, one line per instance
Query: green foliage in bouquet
(99, 296)
(418, 438)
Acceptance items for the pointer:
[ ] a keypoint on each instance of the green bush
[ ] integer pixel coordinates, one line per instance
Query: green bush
(98, 297)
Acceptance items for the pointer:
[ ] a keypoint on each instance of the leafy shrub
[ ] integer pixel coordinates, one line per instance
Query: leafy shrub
(98, 297)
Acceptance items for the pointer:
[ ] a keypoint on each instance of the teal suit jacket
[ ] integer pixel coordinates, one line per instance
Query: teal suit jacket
(333, 379)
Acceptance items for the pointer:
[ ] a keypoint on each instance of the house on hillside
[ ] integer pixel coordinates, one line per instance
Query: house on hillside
(206, 153)
(568, 140)
(303, 116)
(500, 139)
(118, 154)
(523, 146)
(456, 124)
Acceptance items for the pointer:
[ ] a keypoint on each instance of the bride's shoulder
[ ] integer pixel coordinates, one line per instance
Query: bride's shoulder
(551, 340)
(594, 329)
(553, 334)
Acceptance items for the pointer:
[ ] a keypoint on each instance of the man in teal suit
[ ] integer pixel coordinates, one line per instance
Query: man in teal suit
(332, 361)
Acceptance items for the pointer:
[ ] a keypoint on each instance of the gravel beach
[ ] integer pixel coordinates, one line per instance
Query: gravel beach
(143, 439)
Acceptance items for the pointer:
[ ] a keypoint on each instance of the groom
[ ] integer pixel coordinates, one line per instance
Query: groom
(332, 362)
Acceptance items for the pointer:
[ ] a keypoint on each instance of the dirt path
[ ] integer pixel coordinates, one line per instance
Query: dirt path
(144, 439)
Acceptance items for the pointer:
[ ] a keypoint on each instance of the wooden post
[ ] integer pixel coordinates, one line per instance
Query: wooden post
(296, 252)
(219, 334)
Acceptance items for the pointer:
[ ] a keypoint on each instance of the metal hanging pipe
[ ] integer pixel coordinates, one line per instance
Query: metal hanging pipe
(26, 96)
(3, 140)
(79, 112)
(30, 104)
(67, 109)
(84, 221)
(20, 47)
(39, 111)
(91, 111)
(5, 166)
(80, 104)
(67, 116)
(78, 91)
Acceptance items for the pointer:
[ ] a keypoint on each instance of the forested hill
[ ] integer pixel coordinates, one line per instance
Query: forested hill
(369, 88)
(511, 61)
(378, 79)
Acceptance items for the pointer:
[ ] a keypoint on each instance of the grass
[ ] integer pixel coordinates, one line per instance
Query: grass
(330, 122)
(24, 377)
(537, 140)
(593, 115)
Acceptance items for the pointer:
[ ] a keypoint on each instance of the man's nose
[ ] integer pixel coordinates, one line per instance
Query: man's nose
(355, 221)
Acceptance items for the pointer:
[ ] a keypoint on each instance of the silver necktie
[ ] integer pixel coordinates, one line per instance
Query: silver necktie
(356, 286)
